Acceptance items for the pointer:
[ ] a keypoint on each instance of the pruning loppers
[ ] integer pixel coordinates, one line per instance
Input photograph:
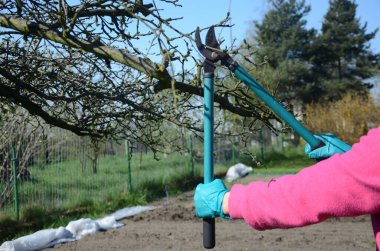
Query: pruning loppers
(212, 53)
(208, 169)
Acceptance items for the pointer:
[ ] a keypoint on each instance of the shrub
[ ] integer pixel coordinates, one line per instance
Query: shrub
(348, 118)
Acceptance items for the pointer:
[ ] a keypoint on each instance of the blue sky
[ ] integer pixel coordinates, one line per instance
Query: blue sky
(207, 12)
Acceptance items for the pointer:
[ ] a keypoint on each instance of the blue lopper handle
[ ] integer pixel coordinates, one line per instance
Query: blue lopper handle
(208, 167)
(241, 74)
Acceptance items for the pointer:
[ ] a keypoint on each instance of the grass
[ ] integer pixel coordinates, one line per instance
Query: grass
(289, 161)
(75, 193)
(68, 185)
(61, 192)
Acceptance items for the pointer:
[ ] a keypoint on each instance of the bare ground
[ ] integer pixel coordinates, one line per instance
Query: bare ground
(172, 226)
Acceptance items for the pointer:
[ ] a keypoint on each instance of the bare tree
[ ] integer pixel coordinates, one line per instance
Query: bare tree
(17, 131)
(78, 67)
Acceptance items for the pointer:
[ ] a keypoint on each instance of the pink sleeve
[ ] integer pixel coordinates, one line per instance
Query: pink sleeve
(344, 185)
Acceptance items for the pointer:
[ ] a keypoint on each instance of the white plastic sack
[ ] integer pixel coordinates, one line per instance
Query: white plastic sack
(108, 222)
(130, 211)
(83, 227)
(38, 240)
(237, 171)
(73, 231)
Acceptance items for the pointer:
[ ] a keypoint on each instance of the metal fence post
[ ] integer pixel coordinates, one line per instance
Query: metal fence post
(282, 142)
(261, 144)
(191, 155)
(129, 166)
(15, 185)
(233, 150)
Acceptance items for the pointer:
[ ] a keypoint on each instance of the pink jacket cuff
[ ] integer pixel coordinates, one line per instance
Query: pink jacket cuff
(236, 202)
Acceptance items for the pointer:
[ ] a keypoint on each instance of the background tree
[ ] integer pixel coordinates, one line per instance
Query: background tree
(284, 42)
(78, 67)
(342, 60)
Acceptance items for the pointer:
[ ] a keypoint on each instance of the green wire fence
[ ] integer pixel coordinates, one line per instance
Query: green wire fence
(59, 170)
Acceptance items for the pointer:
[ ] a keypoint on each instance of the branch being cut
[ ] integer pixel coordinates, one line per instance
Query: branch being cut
(143, 65)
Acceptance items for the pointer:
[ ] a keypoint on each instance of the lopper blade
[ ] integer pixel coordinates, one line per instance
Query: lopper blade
(211, 39)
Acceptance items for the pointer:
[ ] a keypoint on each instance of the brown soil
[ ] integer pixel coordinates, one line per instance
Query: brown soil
(172, 226)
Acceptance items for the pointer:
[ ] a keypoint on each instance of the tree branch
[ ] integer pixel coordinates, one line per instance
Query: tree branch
(223, 101)
(36, 109)
(143, 65)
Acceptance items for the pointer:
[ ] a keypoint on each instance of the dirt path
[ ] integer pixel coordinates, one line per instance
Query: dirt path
(172, 226)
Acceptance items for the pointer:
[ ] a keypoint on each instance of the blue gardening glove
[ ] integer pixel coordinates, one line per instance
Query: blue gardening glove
(332, 145)
(208, 199)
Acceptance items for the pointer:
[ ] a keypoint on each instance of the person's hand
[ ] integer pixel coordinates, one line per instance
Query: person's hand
(208, 199)
(332, 145)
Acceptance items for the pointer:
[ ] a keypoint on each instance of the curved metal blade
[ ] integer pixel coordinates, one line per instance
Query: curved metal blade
(211, 51)
(202, 49)
(211, 38)
(198, 40)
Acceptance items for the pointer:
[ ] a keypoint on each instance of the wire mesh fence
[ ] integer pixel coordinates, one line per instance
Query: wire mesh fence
(62, 170)
(57, 169)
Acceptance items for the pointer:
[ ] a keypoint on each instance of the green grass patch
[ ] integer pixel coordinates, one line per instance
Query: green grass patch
(291, 160)
(65, 191)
